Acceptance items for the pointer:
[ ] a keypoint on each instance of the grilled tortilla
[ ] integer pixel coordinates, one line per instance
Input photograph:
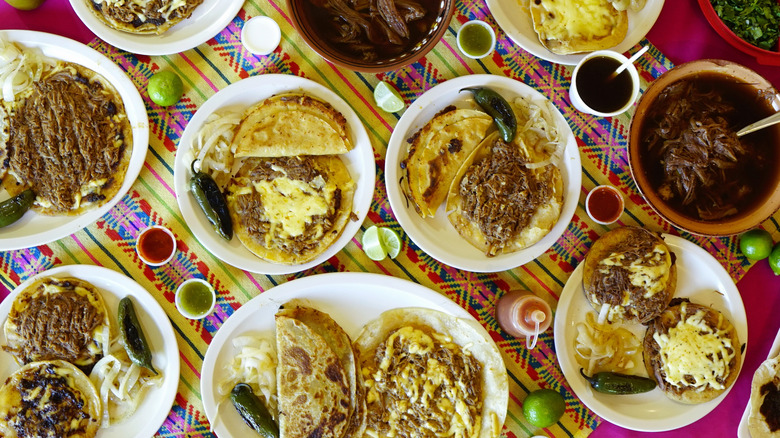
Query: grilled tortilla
(437, 151)
(289, 125)
(423, 366)
(498, 203)
(49, 398)
(764, 419)
(58, 318)
(631, 271)
(315, 375)
(145, 17)
(289, 210)
(692, 351)
(575, 26)
(70, 141)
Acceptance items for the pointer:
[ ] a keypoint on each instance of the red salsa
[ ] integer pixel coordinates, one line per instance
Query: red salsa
(604, 204)
(155, 245)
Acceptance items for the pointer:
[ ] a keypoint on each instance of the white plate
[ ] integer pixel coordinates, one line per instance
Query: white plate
(242, 95)
(742, 431)
(165, 351)
(516, 21)
(207, 20)
(351, 299)
(436, 236)
(701, 279)
(33, 229)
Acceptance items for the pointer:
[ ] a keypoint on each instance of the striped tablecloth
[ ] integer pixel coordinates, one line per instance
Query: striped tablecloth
(222, 61)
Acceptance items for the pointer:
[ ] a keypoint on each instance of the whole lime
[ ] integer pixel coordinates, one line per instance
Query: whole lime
(544, 407)
(25, 5)
(755, 244)
(774, 259)
(165, 88)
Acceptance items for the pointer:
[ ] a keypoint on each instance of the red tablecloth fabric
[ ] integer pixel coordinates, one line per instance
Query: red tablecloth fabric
(682, 34)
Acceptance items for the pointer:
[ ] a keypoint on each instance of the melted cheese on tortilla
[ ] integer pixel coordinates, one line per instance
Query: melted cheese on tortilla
(291, 204)
(695, 350)
(586, 19)
(652, 278)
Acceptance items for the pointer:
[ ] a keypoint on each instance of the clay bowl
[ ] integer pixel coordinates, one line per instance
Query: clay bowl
(759, 197)
(314, 25)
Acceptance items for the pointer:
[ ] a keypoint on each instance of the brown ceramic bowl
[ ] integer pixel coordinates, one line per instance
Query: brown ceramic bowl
(759, 195)
(315, 26)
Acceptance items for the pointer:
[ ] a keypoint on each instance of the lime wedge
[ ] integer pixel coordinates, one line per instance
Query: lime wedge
(391, 241)
(372, 244)
(388, 98)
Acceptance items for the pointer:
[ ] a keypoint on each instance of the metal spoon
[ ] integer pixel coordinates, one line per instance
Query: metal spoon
(628, 62)
(763, 123)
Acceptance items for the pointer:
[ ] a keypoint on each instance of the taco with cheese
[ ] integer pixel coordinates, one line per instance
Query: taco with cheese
(458, 377)
(49, 398)
(145, 17)
(289, 210)
(567, 26)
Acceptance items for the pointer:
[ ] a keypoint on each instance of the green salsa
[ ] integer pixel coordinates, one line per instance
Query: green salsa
(475, 40)
(195, 298)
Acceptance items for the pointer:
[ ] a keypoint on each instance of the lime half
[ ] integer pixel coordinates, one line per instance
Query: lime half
(391, 241)
(372, 244)
(388, 98)
(165, 88)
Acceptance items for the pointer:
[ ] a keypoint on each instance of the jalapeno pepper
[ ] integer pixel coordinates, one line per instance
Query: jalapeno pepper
(212, 201)
(498, 108)
(132, 337)
(253, 411)
(12, 209)
(617, 383)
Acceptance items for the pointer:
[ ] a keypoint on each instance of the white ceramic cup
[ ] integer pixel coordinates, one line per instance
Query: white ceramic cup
(574, 94)
(177, 298)
(492, 39)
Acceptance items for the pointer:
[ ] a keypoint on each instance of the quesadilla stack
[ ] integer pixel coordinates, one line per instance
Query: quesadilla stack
(320, 390)
(292, 194)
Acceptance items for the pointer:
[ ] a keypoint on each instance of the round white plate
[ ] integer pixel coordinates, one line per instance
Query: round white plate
(701, 279)
(516, 21)
(351, 299)
(207, 20)
(165, 351)
(743, 431)
(242, 95)
(436, 236)
(34, 229)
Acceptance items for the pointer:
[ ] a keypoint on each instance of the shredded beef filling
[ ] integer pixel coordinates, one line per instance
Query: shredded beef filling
(501, 195)
(65, 136)
(612, 283)
(422, 416)
(57, 326)
(249, 207)
(50, 407)
(153, 12)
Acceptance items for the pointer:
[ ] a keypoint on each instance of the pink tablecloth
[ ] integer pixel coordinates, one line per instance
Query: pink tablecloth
(682, 34)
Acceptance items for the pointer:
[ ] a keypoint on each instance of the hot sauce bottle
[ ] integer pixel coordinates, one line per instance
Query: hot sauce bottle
(522, 314)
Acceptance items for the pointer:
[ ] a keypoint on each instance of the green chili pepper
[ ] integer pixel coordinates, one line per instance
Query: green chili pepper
(132, 337)
(498, 108)
(253, 411)
(212, 201)
(616, 383)
(11, 210)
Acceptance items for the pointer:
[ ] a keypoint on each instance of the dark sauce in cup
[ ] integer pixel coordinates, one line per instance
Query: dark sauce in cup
(598, 90)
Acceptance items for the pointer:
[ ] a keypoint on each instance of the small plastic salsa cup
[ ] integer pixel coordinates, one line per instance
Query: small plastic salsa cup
(156, 245)
(195, 298)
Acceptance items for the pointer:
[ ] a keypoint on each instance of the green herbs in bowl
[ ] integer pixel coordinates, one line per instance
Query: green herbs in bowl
(755, 21)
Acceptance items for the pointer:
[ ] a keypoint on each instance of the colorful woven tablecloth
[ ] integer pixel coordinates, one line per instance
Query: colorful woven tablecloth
(222, 61)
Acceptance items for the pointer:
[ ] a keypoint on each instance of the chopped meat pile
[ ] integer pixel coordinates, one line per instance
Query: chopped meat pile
(64, 137)
(702, 158)
(372, 28)
(155, 12)
(57, 326)
(443, 382)
(501, 195)
(63, 415)
(249, 207)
